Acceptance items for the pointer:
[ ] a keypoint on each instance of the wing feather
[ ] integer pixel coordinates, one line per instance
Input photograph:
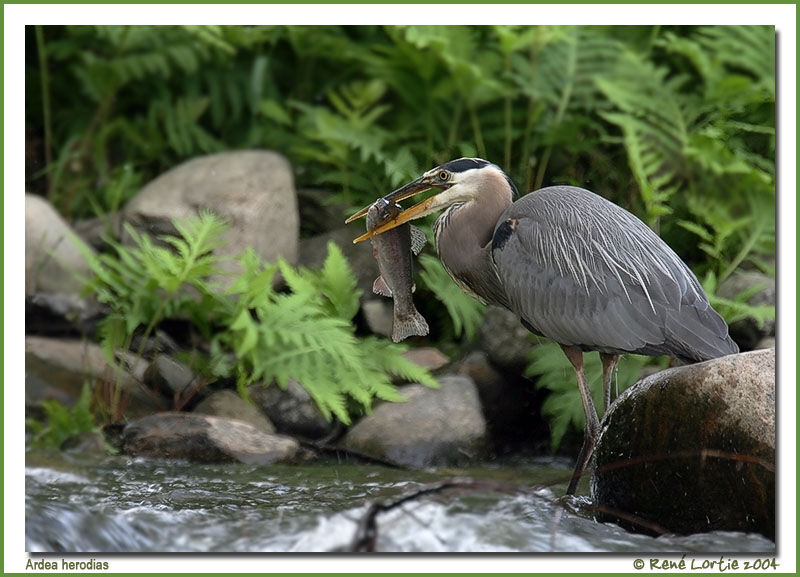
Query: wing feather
(585, 272)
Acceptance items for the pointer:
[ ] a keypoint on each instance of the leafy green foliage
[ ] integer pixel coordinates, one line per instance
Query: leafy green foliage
(465, 312)
(62, 422)
(653, 128)
(306, 335)
(676, 124)
(738, 308)
(263, 335)
(563, 407)
(142, 284)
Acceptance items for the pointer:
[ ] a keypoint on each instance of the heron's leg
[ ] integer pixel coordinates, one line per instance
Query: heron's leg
(609, 364)
(575, 356)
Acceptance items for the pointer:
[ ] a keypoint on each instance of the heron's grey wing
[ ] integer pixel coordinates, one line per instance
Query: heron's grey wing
(556, 303)
(585, 272)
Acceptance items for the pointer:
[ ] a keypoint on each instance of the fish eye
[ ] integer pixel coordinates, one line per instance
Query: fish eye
(444, 176)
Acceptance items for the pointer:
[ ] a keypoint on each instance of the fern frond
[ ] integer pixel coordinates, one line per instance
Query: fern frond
(338, 284)
(655, 131)
(563, 407)
(307, 336)
(465, 312)
(748, 48)
(387, 356)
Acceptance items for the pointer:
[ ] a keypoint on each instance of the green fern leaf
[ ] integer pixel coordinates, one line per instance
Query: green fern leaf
(465, 312)
(563, 407)
(338, 284)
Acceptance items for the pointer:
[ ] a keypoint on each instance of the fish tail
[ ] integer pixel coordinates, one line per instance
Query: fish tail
(409, 324)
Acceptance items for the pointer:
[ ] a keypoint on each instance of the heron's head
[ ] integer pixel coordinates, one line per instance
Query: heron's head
(463, 181)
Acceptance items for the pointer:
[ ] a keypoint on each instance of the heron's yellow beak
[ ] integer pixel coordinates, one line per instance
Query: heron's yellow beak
(418, 210)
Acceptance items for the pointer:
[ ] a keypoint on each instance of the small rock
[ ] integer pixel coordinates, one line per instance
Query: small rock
(504, 339)
(253, 190)
(59, 314)
(291, 411)
(53, 263)
(228, 404)
(133, 364)
(94, 230)
(429, 358)
(434, 427)
(746, 332)
(57, 368)
(170, 377)
(692, 448)
(379, 316)
(205, 439)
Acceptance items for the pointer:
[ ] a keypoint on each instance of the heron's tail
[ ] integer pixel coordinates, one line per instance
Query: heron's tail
(700, 335)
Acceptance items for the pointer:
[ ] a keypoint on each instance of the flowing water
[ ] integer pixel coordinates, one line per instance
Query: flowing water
(120, 504)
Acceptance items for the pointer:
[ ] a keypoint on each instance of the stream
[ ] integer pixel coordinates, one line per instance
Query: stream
(122, 504)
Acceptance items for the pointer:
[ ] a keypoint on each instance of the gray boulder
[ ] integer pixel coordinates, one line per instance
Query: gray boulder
(53, 263)
(229, 404)
(253, 190)
(429, 358)
(379, 315)
(434, 427)
(504, 339)
(692, 448)
(57, 368)
(172, 378)
(205, 439)
(57, 314)
(291, 411)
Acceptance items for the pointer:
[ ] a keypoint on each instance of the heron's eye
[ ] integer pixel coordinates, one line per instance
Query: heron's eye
(444, 176)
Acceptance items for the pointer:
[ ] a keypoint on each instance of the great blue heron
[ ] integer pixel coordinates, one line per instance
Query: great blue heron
(573, 266)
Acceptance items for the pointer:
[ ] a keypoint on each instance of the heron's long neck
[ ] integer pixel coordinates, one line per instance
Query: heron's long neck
(463, 240)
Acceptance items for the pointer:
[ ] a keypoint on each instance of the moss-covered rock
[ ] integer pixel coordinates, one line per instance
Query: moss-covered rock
(692, 448)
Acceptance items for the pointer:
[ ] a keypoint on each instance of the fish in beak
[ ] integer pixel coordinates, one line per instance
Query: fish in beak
(424, 208)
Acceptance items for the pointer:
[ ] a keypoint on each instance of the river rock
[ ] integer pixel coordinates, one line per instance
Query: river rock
(692, 448)
(57, 368)
(429, 358)
(53, 263)
(504, 339)
(228, 404)
(434, 427)
(291, 411)
(95, 230)
(253, 190)
(172, 378)
(747, 332)
(60, 314)
(205, 439)
(379, 315)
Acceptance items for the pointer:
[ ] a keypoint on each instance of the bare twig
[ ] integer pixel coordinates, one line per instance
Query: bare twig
(367, 531)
